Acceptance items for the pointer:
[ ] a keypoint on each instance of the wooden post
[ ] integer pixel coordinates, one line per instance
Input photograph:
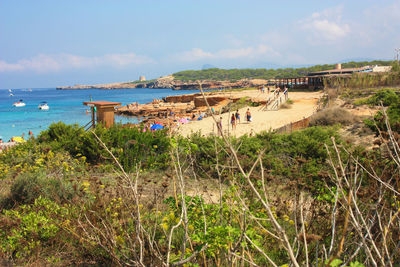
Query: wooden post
(93, 117)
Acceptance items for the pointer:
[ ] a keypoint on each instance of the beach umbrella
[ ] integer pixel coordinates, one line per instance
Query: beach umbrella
(18, 139)
(183, 120)
(156, 127)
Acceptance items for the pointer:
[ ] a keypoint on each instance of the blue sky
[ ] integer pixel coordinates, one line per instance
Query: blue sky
(54, 43)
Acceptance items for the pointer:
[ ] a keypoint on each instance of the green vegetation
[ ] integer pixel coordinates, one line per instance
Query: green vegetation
(131, 146)
(237, 74)
(241, 103)
(391, 101)
(65, 201)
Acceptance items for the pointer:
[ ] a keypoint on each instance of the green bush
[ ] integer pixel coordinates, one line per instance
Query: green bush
(29, 186)
(130, 145)
(27, 231)
(391, 100)
(300, 155)
(73, 139)
(385, 97)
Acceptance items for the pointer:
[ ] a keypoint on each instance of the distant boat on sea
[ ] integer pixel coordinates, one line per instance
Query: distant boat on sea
(20, 103)
(43, 106)
(9, 90)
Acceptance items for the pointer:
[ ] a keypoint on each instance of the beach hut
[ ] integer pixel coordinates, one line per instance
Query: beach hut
(104, 111)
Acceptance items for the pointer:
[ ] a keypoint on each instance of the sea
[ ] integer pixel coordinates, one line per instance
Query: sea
(65, 105)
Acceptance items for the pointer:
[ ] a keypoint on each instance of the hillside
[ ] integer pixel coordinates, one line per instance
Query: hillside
(221, 78)
(238, 74)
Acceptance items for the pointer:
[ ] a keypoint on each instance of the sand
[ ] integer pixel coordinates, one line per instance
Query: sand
(304, 105)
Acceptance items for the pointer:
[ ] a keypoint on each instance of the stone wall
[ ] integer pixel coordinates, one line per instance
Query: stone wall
(181, 98)
(212, 101)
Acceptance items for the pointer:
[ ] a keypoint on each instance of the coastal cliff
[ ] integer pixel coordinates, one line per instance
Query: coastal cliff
(170, 82)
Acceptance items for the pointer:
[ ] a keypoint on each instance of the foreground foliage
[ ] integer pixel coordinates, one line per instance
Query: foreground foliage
(304, 198)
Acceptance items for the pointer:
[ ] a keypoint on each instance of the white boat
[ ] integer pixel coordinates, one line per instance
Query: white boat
(11, 94)
(20, 103)
(43, 106)
(9, 90)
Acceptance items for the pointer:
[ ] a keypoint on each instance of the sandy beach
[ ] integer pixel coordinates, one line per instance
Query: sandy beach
(304, 105)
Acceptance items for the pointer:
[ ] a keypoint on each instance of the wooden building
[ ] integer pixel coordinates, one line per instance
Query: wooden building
(103, 111)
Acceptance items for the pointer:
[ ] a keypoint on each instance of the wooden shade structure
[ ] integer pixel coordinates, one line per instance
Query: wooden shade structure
(104, 110)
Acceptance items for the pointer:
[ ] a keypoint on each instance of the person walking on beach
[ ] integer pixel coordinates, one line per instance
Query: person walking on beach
(219, 126)
(233, 121)
(248, 115)
(237, 116)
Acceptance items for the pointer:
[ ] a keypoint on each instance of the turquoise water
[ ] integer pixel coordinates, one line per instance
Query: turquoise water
(65, 105)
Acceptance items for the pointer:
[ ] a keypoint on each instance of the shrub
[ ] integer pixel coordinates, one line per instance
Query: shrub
(29, 186)
(241, 103)
(391, 100)
(27, 231)
(385, 97)
(332, 116)
(129, 145)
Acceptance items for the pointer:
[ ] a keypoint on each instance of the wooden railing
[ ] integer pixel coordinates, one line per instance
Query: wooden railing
(276, 100)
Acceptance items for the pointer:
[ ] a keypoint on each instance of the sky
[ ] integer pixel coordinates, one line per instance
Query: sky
(47, 43)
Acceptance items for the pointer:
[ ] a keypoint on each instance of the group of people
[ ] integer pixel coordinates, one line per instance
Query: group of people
(235, 119)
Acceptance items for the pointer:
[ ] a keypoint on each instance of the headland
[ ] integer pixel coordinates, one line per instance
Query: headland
(170, 82)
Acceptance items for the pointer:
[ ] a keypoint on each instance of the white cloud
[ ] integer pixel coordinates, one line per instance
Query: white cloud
(53, 63)
(330, 30)
(197, 54)
(194, 55)
(326, 25)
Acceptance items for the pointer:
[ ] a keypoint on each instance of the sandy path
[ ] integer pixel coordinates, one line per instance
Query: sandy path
(304, 105)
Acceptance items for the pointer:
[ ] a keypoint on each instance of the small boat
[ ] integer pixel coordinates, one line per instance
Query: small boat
(43, 106)
(9, 90)
(20, 103)
(11, 94)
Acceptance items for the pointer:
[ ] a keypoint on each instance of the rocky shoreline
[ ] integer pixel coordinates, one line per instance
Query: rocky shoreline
(169, 82)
